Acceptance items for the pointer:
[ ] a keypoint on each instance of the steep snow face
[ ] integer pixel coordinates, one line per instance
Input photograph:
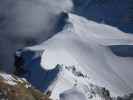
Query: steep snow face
(72, 95)
(102, 33)
(49, 59)
(87, 42)
(72, 83)
(107, 11)
(67, 80)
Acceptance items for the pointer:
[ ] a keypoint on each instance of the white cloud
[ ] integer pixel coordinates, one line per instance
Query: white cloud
(22, 20)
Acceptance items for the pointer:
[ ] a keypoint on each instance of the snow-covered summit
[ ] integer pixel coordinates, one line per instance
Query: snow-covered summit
(84, 44)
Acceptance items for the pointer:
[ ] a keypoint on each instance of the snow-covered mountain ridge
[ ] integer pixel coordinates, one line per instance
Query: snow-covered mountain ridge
(84, 44)
(70, 79)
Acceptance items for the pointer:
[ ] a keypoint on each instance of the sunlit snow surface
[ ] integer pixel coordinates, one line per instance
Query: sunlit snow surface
(52, 58)
(85, 43)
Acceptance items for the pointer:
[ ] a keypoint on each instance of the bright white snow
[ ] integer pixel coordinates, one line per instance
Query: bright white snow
(49, 59)
(85, 43)
(8, 79)
(11, 80)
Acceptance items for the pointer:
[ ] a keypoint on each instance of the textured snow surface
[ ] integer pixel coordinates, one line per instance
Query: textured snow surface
(12, 80)
(85, 44)
(75, 94)
(8, 79)
(72, 94)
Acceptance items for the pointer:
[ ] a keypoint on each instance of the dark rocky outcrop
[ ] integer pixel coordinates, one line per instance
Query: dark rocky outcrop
(14, 88)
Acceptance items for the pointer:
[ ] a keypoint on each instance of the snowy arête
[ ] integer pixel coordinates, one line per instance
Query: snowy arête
(84, 44)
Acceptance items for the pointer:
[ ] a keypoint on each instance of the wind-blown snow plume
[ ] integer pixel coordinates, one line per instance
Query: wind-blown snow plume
(30, 18)
(26, 22)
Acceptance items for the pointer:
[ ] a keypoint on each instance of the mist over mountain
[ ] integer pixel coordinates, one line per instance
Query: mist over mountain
(84, 44)
(79, 49)
(24, 23)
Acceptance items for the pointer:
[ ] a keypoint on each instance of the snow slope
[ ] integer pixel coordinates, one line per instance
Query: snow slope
(84, 43)
(112, 12)
(72, 94)
(72, 83)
